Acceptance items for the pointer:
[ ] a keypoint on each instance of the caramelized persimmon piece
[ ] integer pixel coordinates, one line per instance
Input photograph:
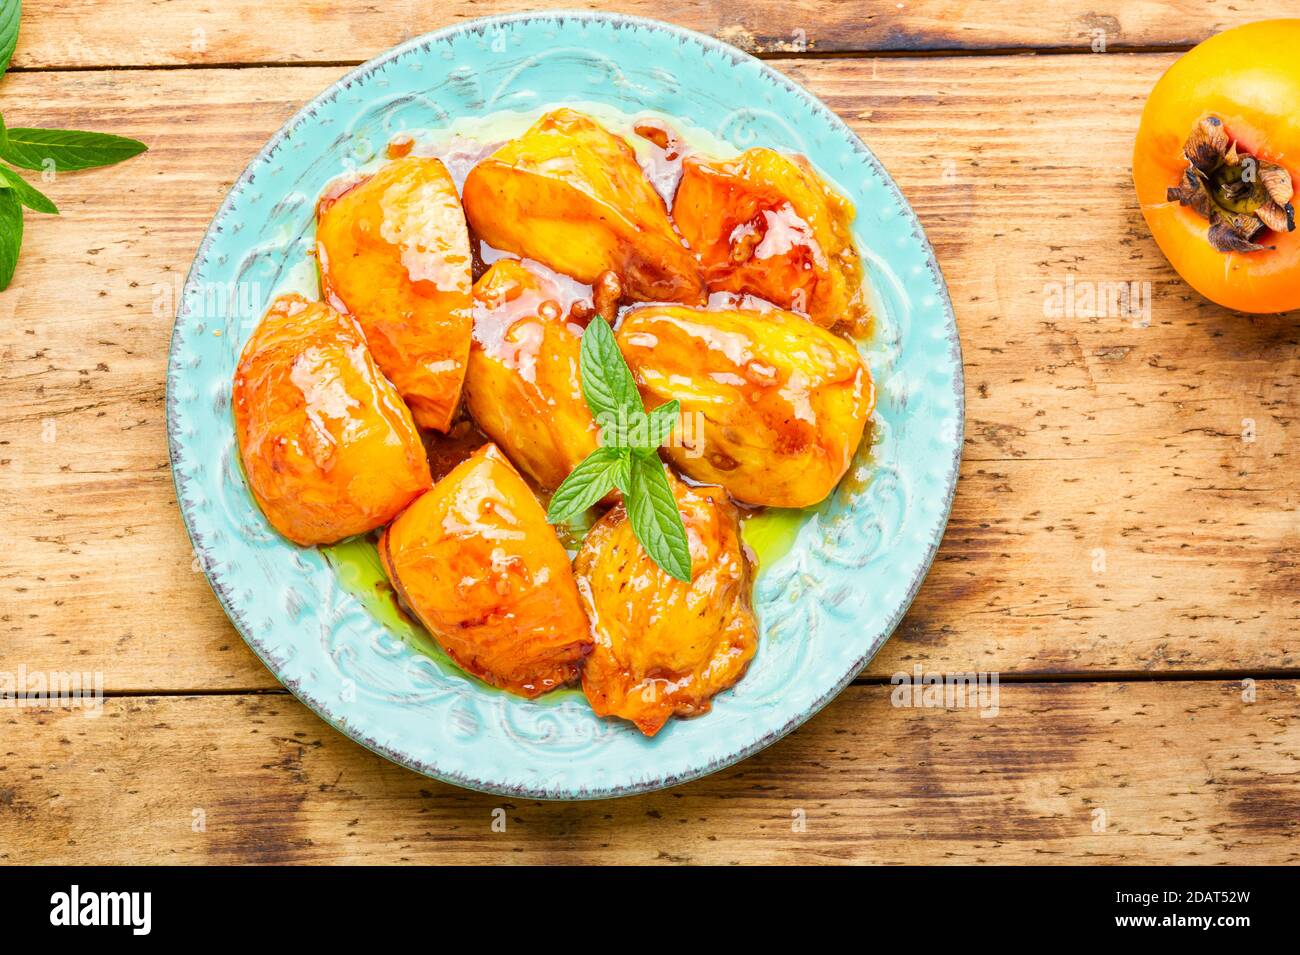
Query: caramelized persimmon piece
(570, 194)
(773, 407)
(328, 448)
(664, 647)
(393, 251)
(477, 562)
(522, 387)
(764, 224)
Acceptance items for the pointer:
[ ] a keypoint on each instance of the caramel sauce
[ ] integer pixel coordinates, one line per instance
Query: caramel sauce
(445, 451)
(336, 189)
(400, 146)
(663, 167)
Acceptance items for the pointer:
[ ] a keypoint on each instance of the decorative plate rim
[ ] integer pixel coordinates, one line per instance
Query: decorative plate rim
(177, 451)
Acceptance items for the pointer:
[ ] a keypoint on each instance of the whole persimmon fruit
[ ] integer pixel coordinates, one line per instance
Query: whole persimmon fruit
(1215, 163)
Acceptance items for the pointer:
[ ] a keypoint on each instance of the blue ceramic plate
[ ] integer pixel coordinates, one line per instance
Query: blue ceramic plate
(825, 606)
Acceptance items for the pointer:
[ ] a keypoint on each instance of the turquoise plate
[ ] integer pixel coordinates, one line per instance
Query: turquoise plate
(825, 607)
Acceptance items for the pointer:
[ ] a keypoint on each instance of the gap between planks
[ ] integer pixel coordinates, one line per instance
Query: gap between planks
(1079, 676)
(779, 55)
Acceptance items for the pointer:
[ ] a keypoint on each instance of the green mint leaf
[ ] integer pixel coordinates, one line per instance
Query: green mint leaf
(660, 425)
(11, 235)
(623, 477)
(627, 458)
(656, 521)
(10, 12)
(606, 380)
(639, 430)
(598, 474)
(69, 149)
(4, 133)
(616, 427)
(27, 194)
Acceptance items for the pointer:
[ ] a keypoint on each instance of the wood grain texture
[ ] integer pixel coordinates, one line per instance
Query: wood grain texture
(91, 33)
(1170, 772)
(1110, 515)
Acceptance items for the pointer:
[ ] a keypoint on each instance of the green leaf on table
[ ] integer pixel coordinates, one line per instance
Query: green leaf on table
(598, 474)
(657, 523)
(11, 235)
(606, 380)
(10, 12)
(27, 194)
(68, 149)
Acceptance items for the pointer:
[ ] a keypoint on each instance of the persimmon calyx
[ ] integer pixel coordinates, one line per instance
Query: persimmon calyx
(1239, 195)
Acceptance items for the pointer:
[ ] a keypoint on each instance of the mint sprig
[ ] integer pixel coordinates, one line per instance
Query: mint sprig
(44, 150)
(628, 458)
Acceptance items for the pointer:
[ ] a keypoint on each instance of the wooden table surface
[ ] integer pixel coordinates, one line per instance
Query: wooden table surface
(1122, 549)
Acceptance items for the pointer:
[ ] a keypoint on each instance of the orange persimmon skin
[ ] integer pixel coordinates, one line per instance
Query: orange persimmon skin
(393, 251)
(765, 224)
(328, 448)
(522, 386)
(664, 647)
(477, 562)
(773, 407)
(570, 194)
(1249, 77)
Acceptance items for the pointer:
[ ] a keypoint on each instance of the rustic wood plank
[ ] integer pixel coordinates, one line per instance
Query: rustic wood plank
(1168, 772)
(90, 33)
(1082, 434)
